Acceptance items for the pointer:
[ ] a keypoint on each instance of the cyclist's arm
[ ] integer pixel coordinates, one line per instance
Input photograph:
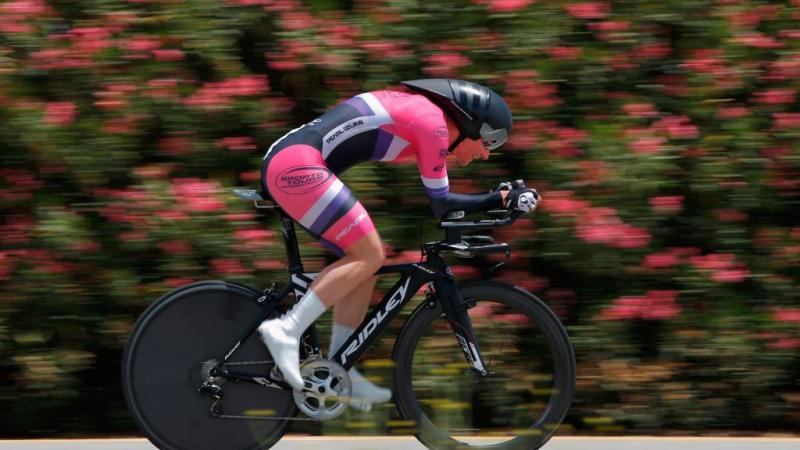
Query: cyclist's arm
(469, 203)
(432, 140)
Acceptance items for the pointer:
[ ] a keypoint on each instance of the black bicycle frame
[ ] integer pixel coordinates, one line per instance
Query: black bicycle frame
(435, 272)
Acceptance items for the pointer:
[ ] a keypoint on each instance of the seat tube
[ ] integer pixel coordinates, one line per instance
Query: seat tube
(455, 309)
(290, 242)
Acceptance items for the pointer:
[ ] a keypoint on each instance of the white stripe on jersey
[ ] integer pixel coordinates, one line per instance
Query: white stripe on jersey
(397, 146)
(357, 125)
(319, 206)
(435, 183)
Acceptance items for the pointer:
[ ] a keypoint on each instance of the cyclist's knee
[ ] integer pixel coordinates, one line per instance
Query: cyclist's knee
(369, 249)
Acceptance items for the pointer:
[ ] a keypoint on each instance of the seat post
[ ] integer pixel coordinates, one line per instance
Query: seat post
(290, 242)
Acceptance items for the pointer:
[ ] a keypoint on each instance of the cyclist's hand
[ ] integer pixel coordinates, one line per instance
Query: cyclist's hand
(523, 199)
(510, 185)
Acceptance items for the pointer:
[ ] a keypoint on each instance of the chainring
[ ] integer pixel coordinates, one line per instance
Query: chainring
(327, 390)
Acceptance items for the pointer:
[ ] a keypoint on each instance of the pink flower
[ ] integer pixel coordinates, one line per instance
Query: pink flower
(445, 64)
(197, 195)
(240, 217)
(655, 305)
(661, 305)
(668, 204)
(25, 7)
(504, 5)
(562, 202)
(59, 113)
(286, 65)
(649, 144)
(254, 234)
(238, 143)
(588, 10)
(180, 247)
(90, 40)
(733, 112)
(677, 127)
(723, 267)
(786, 120)
(785, 344)
(174, 146)
(652, 50)
(786, 315)
(297, 20)
(564, 52)
(640, 110)
(758, 40)
(660, 260)
(176, 282)
(625, 308)
(269, 264)
(730, 215)
(229, 266)
(633, 237)
(171, 215)
(171, 54)
(775, 96)
(730, 275)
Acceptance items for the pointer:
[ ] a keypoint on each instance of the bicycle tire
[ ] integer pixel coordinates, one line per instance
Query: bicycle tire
(162, 360)
(428, 317)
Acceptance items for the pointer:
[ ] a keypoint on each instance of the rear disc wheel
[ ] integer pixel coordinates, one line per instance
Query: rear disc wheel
(172, 348)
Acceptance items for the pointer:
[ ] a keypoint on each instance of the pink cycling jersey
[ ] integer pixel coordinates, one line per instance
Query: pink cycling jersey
(300, 169)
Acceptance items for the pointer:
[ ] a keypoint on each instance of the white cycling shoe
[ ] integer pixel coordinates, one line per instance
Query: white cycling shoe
(284, 347)
(365, 393)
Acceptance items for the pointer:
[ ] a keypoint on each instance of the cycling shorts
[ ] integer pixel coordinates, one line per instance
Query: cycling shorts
(298, 180)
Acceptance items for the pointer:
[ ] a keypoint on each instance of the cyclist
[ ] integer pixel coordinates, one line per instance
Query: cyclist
(299, 171)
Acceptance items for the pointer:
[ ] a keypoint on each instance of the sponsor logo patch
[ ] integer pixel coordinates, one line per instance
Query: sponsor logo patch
(300, 180)
(441, 132)
(343, 129)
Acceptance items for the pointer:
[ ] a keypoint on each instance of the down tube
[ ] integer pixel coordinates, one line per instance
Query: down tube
(379, 317)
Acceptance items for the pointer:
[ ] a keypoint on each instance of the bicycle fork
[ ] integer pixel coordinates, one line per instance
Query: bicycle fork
(455, 309)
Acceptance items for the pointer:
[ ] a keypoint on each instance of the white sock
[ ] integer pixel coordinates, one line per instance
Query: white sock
(304, 313)
(364, 391)
(339, 334)
(282, 336)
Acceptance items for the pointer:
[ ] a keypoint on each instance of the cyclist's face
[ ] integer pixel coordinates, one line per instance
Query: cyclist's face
(469, 150)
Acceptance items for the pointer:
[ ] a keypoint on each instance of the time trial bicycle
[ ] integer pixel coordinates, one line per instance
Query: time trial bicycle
(481, 364)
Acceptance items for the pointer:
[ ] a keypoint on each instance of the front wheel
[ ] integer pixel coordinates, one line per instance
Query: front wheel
(527, 352)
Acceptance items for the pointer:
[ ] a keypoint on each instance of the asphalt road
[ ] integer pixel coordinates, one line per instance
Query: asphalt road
(405, 443)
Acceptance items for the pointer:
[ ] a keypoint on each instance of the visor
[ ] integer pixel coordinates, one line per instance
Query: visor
(493, 138)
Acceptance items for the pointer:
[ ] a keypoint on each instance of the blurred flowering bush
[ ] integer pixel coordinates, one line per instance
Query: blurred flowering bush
(663, 136)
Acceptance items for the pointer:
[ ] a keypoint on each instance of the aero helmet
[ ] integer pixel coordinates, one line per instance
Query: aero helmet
(477, 110)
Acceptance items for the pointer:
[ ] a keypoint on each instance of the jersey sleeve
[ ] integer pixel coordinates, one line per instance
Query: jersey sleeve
(432, 140)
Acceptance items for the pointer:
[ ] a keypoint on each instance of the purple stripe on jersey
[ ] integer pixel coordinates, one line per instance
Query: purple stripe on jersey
(360, 105)
(382, 144)
(330, 210)
(438, 192)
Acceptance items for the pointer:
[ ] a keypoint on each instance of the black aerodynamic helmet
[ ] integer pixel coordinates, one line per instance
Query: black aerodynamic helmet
(477, 110)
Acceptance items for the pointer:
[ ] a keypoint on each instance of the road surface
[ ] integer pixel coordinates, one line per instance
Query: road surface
(406, 443)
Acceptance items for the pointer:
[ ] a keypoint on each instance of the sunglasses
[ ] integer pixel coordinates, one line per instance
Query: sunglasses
(493, 138)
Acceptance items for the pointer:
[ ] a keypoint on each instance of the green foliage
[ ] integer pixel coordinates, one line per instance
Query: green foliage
(662, 135)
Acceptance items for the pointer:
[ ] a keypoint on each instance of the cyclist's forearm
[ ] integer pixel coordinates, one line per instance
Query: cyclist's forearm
(469, 203)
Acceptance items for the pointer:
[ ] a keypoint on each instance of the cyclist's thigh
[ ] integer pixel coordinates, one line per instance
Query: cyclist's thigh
(298, 180)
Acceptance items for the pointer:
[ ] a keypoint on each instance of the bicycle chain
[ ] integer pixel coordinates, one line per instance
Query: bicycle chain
(235, 417)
